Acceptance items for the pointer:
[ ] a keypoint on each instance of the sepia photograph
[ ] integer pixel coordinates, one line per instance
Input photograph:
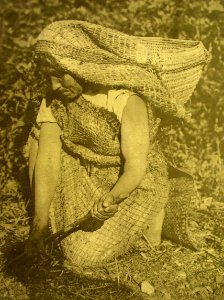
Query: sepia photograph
(112, 149)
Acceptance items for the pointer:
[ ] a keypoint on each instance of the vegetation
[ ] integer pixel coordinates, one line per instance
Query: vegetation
(198, 145)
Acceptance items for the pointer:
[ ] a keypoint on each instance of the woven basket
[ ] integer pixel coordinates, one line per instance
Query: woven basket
(165, 71)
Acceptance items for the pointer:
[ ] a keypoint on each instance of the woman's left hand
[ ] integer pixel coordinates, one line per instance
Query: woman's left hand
(104, 208)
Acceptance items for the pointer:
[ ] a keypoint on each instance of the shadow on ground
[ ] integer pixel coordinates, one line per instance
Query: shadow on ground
(48, 279)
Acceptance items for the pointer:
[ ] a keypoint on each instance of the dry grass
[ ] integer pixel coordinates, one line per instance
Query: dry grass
(174, 271)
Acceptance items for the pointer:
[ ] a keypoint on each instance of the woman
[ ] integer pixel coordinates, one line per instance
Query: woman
(95, 145)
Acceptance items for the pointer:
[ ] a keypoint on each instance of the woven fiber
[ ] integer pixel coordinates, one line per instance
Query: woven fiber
(79, 186)
(175, 226)
(73, 198)
(165, 71)
(90, 126)
(89, 131)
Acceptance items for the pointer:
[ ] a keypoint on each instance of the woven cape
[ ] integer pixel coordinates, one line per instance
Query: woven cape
(164, 71)
(79, 185)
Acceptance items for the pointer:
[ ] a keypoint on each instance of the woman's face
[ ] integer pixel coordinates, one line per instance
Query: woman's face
(62, 84)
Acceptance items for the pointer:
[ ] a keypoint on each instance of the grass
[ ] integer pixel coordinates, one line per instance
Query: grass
(174, 271)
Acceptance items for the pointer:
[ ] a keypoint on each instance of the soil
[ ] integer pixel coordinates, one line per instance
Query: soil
(169, 270)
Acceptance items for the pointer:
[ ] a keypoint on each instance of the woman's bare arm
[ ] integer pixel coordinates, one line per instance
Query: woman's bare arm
(46, 172)
(134, 147)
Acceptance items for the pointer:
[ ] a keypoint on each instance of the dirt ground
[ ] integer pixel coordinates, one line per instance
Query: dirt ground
(167, 272)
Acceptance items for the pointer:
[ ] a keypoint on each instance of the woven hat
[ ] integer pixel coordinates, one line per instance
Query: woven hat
(164, 71)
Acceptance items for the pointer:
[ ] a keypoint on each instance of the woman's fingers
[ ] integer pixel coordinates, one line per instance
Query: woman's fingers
(99, 206)
(102, 216)
(34, 248)
(35, 245)
(111, 209)
(104, 208)
(107, 200)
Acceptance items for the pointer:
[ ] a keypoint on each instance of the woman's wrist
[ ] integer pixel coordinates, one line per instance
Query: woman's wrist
(118, 197)
(127, 183)
(39, 227)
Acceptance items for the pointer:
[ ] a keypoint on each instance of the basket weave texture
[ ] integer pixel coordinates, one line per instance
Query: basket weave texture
(74, 198)
(163, 70)
(78, 188)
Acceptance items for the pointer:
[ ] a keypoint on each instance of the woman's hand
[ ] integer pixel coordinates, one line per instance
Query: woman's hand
(104, 208)
(34, 248)
(46, 168)
(35, 245)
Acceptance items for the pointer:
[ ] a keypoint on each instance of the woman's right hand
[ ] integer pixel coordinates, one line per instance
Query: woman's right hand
(35, 245)
(34, 248)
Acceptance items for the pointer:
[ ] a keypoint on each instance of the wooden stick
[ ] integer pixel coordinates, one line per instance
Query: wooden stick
(59, 235)
(73, 227)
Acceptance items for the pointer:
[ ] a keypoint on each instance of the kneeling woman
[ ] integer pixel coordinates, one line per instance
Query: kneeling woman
(94, 148)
